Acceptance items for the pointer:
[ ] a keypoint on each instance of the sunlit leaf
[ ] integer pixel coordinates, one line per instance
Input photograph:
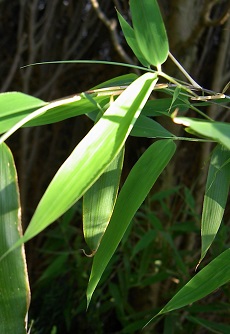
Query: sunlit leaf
(217, 131)
(92, 155)
(138, 184)
(16, 106)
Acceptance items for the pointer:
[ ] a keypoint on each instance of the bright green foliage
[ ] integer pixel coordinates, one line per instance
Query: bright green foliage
(92, 155)
(15, 106)
(215, 198)
(216, 131)
(14, 287)
(149, 31)
(147, 38)
(137, 186)
(120, 108)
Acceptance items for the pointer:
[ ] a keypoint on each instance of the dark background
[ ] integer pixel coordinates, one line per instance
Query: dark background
(41, 30)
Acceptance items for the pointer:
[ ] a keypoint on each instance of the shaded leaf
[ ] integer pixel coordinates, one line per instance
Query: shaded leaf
(99, 201)
(215, 198)
(160, 107)
(149, 31)
(212, 326)
(147, 127)
(131, 40)
(138, 184)
(210, 278)
(14, 286)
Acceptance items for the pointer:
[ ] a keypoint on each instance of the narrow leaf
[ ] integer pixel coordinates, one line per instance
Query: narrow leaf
(14, 287)
(138, 184)
(99, 201)
(150, 31)
(211, 326)
(147, 127)
(15, 106)
(216, 194)
(92, 155)
(210, 278)
(217, 131)
(131, 40)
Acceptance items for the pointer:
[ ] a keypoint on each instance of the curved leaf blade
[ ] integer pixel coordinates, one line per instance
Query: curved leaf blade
(150, 31)
(14, 286)
(210, 278)
(215, 198)
(131, 40)
(138, 184)
(217, 131)
(99, 201)
(15, 106)
(92, 155)
(147, 127)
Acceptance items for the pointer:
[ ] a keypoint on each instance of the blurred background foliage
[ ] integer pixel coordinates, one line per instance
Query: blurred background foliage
(158, 255)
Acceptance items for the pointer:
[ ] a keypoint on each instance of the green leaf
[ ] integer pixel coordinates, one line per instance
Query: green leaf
(161, 107)
(138, 184)
(51, 112)
(217, 131)
(147, 127)
(122, 80)
(131, 40)
(216, 194)
(92, 155)
(210, 278)
(21, 110)
(211, 326)
(15, 106)
(149, 31)
(14, 286)
(99, 201)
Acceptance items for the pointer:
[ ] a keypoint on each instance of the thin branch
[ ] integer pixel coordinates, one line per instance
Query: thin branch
(112, 27)
(218, 21)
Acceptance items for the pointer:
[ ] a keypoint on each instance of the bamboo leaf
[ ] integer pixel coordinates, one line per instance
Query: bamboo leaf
(138, 184)
(131, 40)
(149, 31)
(210, 278)
(211, 326)
(15, 106)
(216, 194)
(99, 201)
(92, 155)
(14, 287)
(217, 131)
(147, 127)
(27, 111)
(161, 107)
